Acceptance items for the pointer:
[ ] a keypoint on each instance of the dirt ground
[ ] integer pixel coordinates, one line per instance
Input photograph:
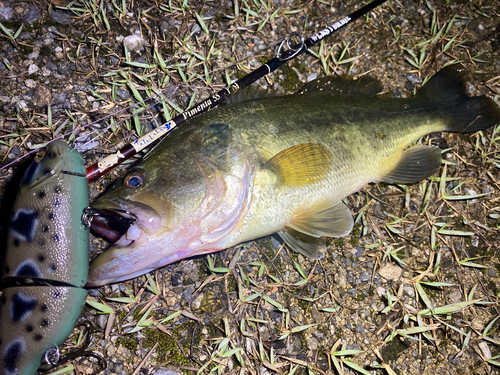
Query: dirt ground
(412, 290)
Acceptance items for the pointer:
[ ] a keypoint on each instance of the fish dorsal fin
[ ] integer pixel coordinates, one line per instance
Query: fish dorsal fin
(363, 86)
(249, 93)
(326, 218)
(416, 164)
(302, 164)
(311, 247)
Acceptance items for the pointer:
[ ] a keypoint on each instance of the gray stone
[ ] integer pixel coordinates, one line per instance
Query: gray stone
(195, 30)
(352, 292)
(311, 77)
(50, 65)
(454, 360)
(32, 69)
(396, 93)
(66, 67)
(365, 276)
(359, 328)
(102, 320)
(5, 13)
(113, 60)
(341, 278)
(168, 371)
(122, 93)
(413, 78)
(492, 272)
(176, 279)
(31, 16)
(134, 43)
(408, 291)
(390, 272)
(276, 244)
(59, 16)
(350, 278)
(187, 294)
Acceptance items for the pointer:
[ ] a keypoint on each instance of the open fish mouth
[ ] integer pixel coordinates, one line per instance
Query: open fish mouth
(111, 224)
(123, 225)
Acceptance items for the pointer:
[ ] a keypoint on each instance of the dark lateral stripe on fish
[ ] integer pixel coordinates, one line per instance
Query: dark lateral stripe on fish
(74, 174)
(11, 282)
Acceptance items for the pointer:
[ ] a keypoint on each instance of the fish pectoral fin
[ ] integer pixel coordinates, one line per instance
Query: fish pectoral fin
(302, 164)
(326, 218)
(311, 247)
(416, 164)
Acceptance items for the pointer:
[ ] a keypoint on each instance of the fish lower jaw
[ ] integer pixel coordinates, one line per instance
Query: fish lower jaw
(132, 236)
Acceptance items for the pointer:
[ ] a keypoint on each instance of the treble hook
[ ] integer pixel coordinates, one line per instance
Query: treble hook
(90, 212)
(53, 356)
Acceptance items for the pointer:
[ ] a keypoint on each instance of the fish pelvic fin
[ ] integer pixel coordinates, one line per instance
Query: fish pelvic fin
(302, 164)
(416, 164)
(311, 247)
(462, 113)
(326, 218)
(307, 230)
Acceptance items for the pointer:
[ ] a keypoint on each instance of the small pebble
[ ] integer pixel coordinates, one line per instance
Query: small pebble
(31, 16)
(32, 69)
(365, 276)
(390, 272)
(5, 13)
(492, 272)
(62, 17)
(134, 43)
(409, 86)
(413, 78)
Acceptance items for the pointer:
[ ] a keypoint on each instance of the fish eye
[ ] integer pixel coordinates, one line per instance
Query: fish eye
(40, 155)
(135, 180)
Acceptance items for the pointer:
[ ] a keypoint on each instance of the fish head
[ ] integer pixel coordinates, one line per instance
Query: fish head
(127, 211)
(182, 200)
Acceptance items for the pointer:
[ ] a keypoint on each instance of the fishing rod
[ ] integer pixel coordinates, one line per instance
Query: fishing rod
(294, 49)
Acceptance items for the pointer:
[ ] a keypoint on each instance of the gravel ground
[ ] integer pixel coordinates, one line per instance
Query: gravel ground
(287, 314)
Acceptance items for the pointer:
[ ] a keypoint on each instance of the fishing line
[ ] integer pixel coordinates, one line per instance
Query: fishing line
(98, 121)
(293, 50)
(165, 95)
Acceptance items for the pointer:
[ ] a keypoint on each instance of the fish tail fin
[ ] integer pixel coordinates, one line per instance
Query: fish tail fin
(465, 114)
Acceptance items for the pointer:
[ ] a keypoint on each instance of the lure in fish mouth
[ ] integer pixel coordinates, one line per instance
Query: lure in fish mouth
(276, 165)
(125, 224)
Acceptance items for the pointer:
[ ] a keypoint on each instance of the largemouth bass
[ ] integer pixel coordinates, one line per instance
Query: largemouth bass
(275, 165)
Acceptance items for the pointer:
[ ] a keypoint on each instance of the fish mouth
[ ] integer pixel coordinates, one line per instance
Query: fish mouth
(123, 223)
(113, 225)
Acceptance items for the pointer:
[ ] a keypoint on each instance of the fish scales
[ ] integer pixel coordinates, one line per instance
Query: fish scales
(277, 165)
(265, 130)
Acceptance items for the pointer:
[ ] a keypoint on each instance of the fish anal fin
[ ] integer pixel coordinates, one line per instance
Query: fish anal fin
(302, 164)
(326, 218)
(310, 247)
(416, 164)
